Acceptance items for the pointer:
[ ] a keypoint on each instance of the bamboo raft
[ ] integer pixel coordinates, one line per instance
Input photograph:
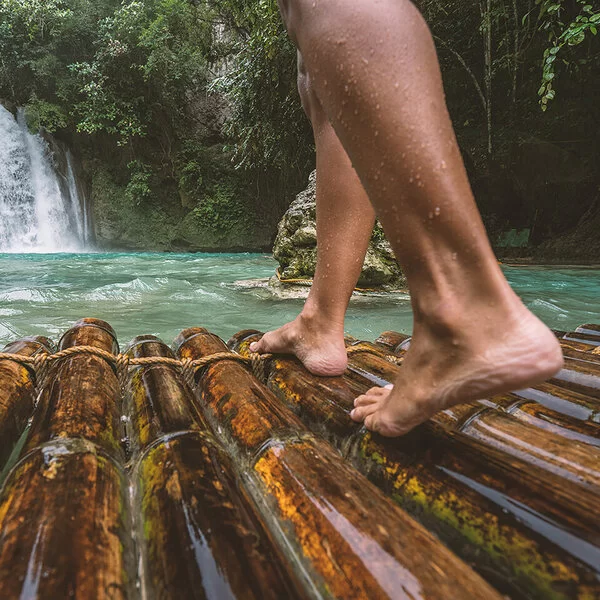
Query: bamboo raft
(199, 472)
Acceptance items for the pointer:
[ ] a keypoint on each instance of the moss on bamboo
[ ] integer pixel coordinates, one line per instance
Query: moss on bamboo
(69, 487)
(343, 533)
(475, 525)
(17, 392)
(200, 537)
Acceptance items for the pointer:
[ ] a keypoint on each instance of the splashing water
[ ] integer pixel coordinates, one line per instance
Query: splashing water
(36, 214)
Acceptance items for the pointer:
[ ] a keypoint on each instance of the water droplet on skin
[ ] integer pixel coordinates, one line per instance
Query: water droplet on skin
(376, 133)
(365, 60)
(397, 85)
(437, 211)
(454, 256)
(411, 179)
(430, 215)
(443, 165)
(377, 107)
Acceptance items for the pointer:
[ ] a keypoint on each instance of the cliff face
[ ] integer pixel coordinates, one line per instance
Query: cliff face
(162, 223)
(296, 245)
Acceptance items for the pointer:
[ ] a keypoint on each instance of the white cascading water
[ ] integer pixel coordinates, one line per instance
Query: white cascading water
(35, 214)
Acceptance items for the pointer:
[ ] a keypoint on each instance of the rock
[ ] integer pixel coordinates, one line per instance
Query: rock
(296, 246)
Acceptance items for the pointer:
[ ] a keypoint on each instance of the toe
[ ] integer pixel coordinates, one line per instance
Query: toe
(258, 347)
(372, 423)
(365, 400)
(263, 346)
(375, 394)
(362, 412)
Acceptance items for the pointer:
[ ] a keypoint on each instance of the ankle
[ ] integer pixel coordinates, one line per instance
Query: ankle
(315, 317)
(455, 316)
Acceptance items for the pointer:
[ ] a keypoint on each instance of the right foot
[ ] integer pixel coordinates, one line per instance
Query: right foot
(482, 357)
(319, 346)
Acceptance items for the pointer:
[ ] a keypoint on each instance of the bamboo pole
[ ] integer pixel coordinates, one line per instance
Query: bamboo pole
(61, 413)
(63, 507)
(578, 353)
(392, 340)
(564, 458)
(472, 509)
(540, 416)
(346, 537)
(591, 339)
(198, 533)
(579, 376)
(571, 404)
(590, 329)
(17, 392)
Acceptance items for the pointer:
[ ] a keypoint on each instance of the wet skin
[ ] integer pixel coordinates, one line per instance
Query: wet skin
(371, 85)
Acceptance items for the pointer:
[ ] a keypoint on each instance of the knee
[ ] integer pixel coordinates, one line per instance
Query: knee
(308, 97)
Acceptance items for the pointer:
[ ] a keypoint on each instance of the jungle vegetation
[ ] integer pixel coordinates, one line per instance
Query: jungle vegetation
(186, 117)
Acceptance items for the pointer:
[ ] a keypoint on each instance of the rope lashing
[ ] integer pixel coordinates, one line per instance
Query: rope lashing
(122, 362)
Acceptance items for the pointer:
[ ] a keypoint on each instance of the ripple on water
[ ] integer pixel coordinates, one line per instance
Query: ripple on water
(165, 293)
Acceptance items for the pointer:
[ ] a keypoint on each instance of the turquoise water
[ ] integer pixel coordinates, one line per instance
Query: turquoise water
(42, 294)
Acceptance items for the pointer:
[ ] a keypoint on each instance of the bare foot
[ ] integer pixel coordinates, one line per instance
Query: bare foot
(452, 364)
(319, 345)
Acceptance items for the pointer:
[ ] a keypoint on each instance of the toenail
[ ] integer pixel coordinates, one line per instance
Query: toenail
(389, 386)
(253, 346)
(353, 413)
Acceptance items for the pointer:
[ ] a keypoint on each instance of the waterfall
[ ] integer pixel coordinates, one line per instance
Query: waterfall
(37, 213)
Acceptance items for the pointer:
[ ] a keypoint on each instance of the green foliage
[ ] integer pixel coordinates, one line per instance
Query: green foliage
(139, 187)
(221, 211)
(564, 33)
(41, 114)
(268, 126)
(149, 56)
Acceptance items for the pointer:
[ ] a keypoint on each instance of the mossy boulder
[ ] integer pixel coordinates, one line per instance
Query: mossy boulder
(296, 245)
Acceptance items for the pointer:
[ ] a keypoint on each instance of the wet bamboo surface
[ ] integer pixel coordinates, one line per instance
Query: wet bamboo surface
(469, 505)
(63, 507)
(17, 392)
(345, 536)
(158, 490)
(199, 535)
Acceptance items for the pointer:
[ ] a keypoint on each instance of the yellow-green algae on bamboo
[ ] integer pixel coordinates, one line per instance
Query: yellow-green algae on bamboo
(17, 391)
(472, 510)
(568, 469)
(63, 508)
(199, 535)
(346, 537)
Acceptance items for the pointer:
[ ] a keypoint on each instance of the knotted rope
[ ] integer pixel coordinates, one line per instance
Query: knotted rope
(41, 362)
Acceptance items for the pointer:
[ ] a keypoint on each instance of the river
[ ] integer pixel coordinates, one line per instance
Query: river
(42, 294)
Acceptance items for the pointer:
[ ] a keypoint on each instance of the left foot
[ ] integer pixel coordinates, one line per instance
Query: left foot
(451, 365)
(319, 344)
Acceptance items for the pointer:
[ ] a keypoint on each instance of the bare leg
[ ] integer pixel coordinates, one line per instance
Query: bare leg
(345, 220)
(375, 71)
